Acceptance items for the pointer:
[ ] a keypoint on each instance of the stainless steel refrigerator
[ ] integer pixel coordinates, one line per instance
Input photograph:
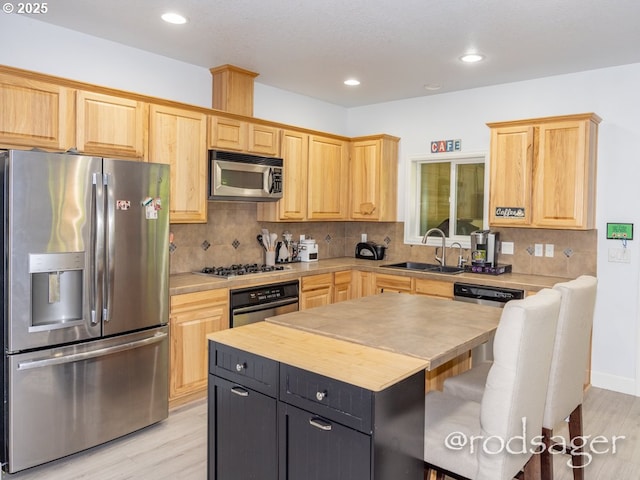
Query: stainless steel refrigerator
(85, 302)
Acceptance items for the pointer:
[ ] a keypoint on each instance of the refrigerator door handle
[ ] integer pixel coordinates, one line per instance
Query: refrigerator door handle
(97, 234)
(101, 352)
(110, 248)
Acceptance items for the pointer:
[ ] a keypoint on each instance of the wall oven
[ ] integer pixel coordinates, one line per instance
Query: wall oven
(254, 304)
(238, 176)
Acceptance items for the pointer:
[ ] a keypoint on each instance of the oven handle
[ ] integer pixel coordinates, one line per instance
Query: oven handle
(102, 352)
(265, 306)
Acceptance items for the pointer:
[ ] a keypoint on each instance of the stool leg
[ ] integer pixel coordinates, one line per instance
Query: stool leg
(546, 458)
(575, 430)
(532, 469)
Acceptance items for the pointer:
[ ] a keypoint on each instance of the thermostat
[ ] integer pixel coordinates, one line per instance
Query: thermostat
(620, 231)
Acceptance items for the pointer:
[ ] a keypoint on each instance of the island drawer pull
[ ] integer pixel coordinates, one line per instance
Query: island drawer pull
(241, 366)
(320, 423)
(240, 391)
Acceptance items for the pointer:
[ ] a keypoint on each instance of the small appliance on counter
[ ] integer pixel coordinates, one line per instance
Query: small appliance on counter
(370, 251)
(308, 250)
(497, 269)
(484, 248)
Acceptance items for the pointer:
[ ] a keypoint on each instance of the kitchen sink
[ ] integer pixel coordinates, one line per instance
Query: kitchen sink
(425, 267)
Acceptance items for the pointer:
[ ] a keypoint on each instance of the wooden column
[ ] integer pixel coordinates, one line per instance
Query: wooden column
(233, 89)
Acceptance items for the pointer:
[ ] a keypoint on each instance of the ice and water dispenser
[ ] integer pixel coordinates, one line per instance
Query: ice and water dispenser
(56, 289)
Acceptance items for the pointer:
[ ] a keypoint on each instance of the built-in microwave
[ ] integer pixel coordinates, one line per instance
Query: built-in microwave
(239, 176)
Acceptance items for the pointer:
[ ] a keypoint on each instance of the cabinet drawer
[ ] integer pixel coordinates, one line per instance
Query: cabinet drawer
(247, 369)
(329, 398)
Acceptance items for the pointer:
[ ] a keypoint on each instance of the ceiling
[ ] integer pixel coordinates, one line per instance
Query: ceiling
(394, 48)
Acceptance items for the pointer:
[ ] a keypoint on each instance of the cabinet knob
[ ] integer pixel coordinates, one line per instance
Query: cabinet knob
(320, 395)
(240, 366)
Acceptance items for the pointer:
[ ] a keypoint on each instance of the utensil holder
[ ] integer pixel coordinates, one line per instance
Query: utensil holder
(270, 258)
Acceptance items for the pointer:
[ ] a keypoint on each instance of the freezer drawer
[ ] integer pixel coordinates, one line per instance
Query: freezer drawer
(67, 399)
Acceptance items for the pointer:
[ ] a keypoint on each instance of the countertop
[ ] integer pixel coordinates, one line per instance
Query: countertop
(432, 329)
(371, 342)
(359, 365)
(190, 282)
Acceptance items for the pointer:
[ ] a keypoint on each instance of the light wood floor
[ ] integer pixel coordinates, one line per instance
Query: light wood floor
(176, 448)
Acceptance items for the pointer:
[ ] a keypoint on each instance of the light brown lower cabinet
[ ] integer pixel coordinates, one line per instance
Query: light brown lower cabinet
(434, 288)
(316, 290)
(393, 283)
(342, 286)
(193, 316)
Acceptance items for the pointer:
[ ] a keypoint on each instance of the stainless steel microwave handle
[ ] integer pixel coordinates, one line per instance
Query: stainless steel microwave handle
(101, 352)
(265, 306)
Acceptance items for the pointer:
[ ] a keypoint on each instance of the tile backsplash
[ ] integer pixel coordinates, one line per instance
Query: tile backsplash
(229, 237)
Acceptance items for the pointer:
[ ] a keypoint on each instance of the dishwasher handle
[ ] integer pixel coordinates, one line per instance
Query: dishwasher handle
(266, 306)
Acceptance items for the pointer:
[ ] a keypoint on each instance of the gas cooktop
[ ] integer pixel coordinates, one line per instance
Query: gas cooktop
(239, 269)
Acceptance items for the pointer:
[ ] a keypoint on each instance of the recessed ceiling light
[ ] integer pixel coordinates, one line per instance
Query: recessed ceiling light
(174, 18)
(352, 82)
(472, 57)
(432, 86)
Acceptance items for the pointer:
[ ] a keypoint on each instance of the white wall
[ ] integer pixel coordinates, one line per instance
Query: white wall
(612, 93)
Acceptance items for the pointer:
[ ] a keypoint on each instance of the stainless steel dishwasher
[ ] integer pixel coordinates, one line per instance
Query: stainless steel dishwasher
(484, 295)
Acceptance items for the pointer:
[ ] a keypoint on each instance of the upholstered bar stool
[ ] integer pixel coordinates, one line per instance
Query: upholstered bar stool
(568, 366)
(493, 439)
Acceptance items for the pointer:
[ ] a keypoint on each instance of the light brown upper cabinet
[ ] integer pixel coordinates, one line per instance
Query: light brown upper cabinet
(316, 172)
(35, 114)
(543, 172)
(374, 178)
(109, 125)
(244, 136)
(328, 179)
(293, 204)
(179, 137)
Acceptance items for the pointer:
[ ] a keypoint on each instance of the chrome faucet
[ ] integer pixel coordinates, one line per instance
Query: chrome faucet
(461, 260)
(443, 259)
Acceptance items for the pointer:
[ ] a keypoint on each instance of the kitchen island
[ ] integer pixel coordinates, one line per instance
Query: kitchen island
(336, 391)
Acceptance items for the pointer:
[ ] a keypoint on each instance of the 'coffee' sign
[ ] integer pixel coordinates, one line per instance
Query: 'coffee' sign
(510, 212)
(443, 146)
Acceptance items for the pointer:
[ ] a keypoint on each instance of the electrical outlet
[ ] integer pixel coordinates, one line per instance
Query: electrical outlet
(548, 250)
(538, 250)
(619, 255)
(506, 248)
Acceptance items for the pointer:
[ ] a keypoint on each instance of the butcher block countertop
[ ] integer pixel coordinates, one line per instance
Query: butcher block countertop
(371, 342)
(190, 282)
(359, 365)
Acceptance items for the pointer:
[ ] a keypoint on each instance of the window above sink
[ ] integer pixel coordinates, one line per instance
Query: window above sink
(443, 187)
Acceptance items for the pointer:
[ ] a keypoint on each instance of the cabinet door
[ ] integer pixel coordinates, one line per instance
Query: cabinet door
(393, 283)
(561, 187)
(342, 286)
(109, 126)
(510, 177)
(293, 204)
(227, 133)
(263, 140)
(242, 433)
(178, 137)
(193, 317)
(374, 178)
(328, 179)
(434, 288)
(364, 284)
(35, 114)
(316, 291)
(313, 447)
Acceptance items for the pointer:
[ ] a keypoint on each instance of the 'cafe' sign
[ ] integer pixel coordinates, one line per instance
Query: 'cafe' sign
(443, 146)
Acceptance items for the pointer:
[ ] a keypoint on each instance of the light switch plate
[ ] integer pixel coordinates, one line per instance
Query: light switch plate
(538, 250)
(619, 255)
(506, 248)
(548, 250)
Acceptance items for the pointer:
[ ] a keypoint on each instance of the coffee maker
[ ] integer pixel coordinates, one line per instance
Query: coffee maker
(484, 248)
